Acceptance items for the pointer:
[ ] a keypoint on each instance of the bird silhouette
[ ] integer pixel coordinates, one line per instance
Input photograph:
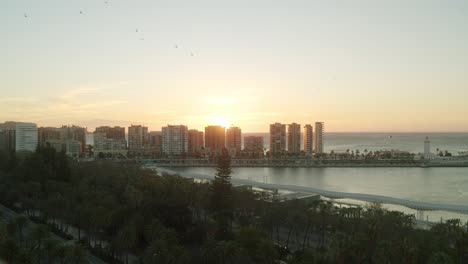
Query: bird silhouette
(81, 12)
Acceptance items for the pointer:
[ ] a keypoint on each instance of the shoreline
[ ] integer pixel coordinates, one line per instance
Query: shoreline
(300, 163)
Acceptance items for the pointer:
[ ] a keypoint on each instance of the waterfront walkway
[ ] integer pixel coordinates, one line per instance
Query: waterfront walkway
(421, 206)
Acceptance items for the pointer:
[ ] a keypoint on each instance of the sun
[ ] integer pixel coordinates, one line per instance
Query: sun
(220, 121)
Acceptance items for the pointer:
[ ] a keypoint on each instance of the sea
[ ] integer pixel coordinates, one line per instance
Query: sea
(435, 185)
(411, 142)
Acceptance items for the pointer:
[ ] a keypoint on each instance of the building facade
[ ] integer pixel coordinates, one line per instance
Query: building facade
(253, 144)
(8, 136)
(109, 141)
(308, 136)
(196, 142)
(175, 140)
(277, 138)
(74, 133)
(65, 138)
(234, 140)
(294, 138)
(155, 142)
(112, 132)
(318, 138)
(215, 139)
(48, 134)
(137, 137)
(26, 137)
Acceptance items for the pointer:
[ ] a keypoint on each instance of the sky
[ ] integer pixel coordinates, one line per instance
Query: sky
(360, 65)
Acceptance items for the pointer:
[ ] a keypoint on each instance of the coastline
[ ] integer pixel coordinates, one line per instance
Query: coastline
(302, 163)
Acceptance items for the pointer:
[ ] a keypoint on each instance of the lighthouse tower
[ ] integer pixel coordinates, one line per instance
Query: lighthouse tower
(427, 148)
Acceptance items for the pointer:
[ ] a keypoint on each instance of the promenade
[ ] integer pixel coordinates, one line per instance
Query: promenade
(320, 163)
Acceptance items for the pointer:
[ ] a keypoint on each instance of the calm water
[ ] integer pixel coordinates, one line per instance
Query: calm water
(412, 142)
(438, 185)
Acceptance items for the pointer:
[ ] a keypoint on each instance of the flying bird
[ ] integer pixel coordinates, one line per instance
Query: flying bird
(81, 12)
(25, 15)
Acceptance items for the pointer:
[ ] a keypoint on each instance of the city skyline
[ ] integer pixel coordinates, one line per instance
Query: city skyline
(247, 63)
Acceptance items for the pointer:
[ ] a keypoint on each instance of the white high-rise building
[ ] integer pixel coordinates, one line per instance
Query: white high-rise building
(308, 140)
(26, 137)
(318, 138)
(175, 140)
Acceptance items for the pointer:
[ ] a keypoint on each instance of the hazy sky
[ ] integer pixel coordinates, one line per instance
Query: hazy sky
(356, 65)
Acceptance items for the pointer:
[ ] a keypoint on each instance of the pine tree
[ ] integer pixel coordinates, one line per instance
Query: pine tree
(221, 198)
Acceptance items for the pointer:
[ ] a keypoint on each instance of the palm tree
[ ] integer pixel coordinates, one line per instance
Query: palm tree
(76, 255)
(228, 251)
(50, 246)
(21, 222)
(61, 252)
(325, 210)
(210, 251)
(38, 234)
(126, 239)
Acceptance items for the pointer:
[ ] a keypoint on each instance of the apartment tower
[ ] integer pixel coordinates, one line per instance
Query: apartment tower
(318, 137)
(294, 138)
(234, 140)
(308, 140)
(215, 139)
(175, 140)
(277, 138)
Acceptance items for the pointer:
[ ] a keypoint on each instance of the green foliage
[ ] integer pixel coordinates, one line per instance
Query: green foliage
(123, 210)
(222, 197)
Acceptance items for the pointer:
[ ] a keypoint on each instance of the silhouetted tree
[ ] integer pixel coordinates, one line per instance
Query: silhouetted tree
(221, 198)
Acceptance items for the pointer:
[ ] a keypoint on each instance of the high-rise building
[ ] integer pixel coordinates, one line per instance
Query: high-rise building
(26, 137)
(215, 137)
(294, 138)
(277, 138)
(318, 137)
(73, 148)
(112, 132)
(234, 140)
(196, 141)
(65, 138)
(109, 141)
(74, 133)
(155, 142)
(253, 144)
(175, 140)
(137, 137)
(7, 136)
(48, 134)
(308, 140)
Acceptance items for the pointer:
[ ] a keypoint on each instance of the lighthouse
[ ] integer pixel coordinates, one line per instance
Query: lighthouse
(427, 148)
